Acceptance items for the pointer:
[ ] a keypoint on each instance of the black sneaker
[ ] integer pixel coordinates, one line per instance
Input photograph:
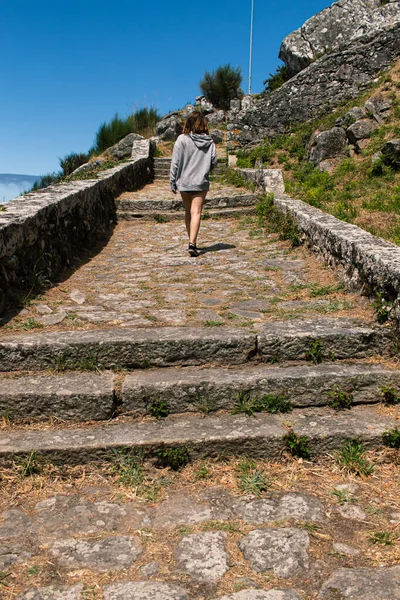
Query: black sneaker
(193, 250)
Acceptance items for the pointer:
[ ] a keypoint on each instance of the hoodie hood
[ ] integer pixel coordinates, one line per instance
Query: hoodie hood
(202, 140)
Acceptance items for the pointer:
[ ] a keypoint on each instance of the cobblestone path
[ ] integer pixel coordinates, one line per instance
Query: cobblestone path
(144, 277)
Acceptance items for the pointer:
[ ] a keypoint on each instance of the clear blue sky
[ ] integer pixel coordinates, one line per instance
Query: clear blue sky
(67, 66)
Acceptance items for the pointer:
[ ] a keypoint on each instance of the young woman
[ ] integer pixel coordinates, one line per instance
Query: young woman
(193, 156)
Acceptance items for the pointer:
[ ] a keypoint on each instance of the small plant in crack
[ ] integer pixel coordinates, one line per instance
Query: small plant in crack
(127, 464)
(298, 446)
(382, 307)
(390, 395)
(382, 537)
(314, 352)
(175, 458)
(158, 408)
(344, 496)
(391, 438)
(203, 403)
(276, 403)
(245, 404)
(31, 465)
(340, 399)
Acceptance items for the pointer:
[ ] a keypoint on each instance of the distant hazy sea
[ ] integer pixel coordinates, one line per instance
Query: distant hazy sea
(12, 186)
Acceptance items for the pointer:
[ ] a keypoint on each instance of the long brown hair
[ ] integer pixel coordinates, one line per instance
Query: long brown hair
(196, 123)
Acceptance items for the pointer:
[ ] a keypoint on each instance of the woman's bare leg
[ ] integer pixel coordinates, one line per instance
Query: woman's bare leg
(193, 206)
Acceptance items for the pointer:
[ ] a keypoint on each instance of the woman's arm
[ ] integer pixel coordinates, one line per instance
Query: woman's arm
(175, 161)
(214, 160)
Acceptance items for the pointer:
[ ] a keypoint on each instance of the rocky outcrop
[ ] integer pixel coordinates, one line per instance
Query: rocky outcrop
(170, 125)
(119, 151)
(340, 23)
(320, 87)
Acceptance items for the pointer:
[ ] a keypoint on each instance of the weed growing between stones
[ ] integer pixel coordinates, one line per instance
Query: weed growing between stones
(161, 218)
(390, 395)
(158, 409)
(204, 404)
(33, 571)
(298, 446)
(314, 352)
(352, 459)
(203, 472)
(317, 290)
(212, 323)
(340, 399)
(271, 403)
(127, 464)
(31, 465)
(250, 479)
(30, 324)
(3, 577)
(307, 526)
(231, 527)
(382, 537)
(175, 458)
(344, 497)
(391, 438)
(382, 307)
(274, 221)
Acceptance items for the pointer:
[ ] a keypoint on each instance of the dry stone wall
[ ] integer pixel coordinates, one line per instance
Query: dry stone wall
(43, 231)
(315, 90)
(365, 261)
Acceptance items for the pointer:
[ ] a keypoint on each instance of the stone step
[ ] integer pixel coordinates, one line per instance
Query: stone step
(316, 339)
(211, 436)
(191, 389)
(165, 216)
(67, 396)
(131, 204)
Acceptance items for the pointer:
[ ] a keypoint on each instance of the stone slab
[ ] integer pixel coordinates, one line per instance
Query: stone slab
(143, 590)
(263, 595)
(186, 389)
(128, 348)
(71, 396)
(134, 215)
(339, 337)
(203, 556)
(53, 593)
(163, 205)
(363, 584)
(284, 551)
(260, 437)
(107, 554)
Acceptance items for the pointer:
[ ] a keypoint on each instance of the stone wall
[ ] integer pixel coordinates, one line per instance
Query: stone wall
(317, 89)
(43, 231)
(365, 262)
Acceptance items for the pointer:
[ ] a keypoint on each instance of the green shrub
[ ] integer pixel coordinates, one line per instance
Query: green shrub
(222, 85)
(390, 395)
(142, 121)
(159, 409)
(45, 180)
(72, 161)
(275, 80)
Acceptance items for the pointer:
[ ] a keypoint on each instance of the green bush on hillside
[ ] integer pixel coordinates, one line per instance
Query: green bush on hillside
(275, 80)
(222, 85)
(142, 121)
(72, 161)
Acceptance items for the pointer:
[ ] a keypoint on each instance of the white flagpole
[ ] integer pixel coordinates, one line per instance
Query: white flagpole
(251, 45)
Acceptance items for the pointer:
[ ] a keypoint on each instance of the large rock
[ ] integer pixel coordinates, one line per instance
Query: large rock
(263, 595)
(334, 78)
(361, 130)
(363, 584)
(328, 144)
(391, 153)
(340, 23)
(123, 149)
(169, 127)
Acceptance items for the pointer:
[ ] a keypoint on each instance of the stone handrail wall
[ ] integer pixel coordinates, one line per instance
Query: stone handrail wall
(365, 261)
(43, 231)
(334, 77)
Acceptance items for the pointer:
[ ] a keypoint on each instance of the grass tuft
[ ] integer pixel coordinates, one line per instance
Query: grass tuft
(352, 459)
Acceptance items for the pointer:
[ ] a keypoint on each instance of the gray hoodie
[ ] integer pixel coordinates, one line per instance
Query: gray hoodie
(193, 157)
